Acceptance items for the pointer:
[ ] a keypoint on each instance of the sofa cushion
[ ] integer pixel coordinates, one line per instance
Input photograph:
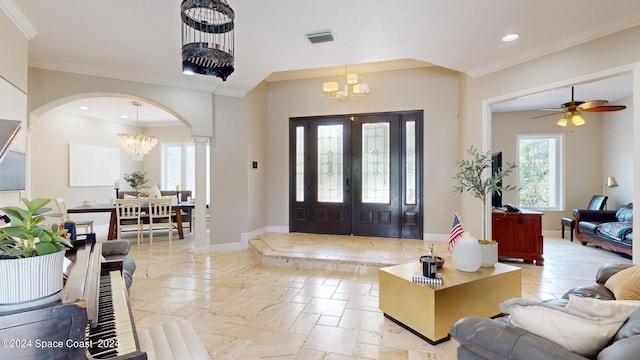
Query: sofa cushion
(602, 308)
(573, 330)
(625, 213)
(616, 230)
(630, 328)
(625, 284)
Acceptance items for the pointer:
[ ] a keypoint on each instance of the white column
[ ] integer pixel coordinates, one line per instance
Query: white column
(201, 241)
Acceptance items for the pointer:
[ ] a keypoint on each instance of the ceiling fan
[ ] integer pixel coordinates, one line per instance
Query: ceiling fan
(571, 110)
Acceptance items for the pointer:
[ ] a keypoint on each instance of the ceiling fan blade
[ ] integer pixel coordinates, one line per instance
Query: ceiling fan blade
(545, 115)
(600, 106)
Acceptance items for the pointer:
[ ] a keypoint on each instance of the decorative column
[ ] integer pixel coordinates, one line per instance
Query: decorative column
(201, 241)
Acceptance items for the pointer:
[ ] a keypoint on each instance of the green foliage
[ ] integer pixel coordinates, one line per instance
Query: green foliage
(25, 237)
(472, 177)
(534, 173)
(136, 179)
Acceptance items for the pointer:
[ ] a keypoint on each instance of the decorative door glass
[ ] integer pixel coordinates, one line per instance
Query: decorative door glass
(300, 163)
(410, 156)
(375, 163)
(330, 161)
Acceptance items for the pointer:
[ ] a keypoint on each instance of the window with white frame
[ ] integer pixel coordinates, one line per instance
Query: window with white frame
(178, 168)
(540, 171)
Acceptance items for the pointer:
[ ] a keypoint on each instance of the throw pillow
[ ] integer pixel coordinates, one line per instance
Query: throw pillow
(602, 308)
(577, 332)
(625, 284)
(616, 229)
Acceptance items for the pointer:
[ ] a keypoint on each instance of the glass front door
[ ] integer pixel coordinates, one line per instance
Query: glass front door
(356, 175)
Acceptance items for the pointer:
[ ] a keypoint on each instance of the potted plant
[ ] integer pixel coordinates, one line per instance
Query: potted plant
(474, 177)
(31, 257)
(136, 180)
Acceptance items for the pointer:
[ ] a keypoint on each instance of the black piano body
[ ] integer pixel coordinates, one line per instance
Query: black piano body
(81, 325)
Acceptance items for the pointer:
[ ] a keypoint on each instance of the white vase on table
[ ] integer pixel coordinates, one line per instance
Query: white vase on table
(467, 255)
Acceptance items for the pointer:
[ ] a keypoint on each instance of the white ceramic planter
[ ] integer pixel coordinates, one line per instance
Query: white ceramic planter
(30, 282)
(466, 254)
(489, 254)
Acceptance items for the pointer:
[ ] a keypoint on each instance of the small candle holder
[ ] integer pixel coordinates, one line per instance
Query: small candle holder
(117, 192)
(178, 196)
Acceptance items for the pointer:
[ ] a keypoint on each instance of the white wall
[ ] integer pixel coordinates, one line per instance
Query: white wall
(617, 139)
(433, 90)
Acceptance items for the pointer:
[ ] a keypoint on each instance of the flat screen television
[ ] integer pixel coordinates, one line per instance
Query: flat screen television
(496, 165)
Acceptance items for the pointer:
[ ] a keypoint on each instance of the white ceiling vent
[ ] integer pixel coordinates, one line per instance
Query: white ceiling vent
(320, 37)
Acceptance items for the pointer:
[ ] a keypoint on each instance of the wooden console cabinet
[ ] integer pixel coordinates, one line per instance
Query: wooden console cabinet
(519, 235)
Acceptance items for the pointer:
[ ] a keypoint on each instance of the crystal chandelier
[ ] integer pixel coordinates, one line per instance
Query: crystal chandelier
(207, 38)
(333, 91)
(138, 145)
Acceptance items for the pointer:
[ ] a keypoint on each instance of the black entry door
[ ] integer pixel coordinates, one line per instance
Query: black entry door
(376, 160)
(356, 175)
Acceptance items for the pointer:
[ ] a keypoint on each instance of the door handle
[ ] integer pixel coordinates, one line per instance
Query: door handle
(348, 188)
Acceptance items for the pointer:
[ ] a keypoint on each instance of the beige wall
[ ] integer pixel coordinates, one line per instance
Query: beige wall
(603, 57)
(14, 48)
(433, 90)
(257, 190)
(48, 89)
(229, 170)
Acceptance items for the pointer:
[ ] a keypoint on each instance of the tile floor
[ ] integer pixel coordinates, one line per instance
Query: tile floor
(243, 309)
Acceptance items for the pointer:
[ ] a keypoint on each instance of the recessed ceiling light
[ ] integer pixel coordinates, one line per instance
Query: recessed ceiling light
(124, 117)
(510, 37)
(84, 108)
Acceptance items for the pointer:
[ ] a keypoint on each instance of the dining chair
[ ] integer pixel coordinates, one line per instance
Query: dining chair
(128, 217)
(87, 225)
(160, 213)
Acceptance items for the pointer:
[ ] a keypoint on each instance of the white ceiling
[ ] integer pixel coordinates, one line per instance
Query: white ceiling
(140, 40)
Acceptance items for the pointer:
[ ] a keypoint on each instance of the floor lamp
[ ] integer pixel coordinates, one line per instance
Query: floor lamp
(611, 182)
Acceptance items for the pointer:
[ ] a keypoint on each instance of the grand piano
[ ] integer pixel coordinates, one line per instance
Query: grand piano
(93, 319)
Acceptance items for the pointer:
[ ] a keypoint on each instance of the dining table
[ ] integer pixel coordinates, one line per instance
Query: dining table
(111, 208)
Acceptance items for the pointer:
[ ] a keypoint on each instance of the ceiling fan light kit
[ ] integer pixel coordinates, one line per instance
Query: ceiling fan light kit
(571, 110)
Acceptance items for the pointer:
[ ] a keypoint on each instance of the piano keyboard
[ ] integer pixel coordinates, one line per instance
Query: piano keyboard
(114, 335)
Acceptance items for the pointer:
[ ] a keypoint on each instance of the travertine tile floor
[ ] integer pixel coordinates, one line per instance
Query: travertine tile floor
(242, 309)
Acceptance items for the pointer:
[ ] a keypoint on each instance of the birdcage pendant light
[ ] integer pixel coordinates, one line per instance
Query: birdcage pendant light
(138, 145)
(207, 38)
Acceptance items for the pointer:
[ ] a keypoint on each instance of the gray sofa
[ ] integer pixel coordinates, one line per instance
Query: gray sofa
(484, 338)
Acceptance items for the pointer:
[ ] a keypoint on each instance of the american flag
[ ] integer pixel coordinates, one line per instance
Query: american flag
(456, 231)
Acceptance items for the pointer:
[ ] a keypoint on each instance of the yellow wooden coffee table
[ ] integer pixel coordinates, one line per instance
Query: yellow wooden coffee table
(429, 310)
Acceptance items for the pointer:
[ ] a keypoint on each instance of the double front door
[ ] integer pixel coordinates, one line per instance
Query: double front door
(356, 174)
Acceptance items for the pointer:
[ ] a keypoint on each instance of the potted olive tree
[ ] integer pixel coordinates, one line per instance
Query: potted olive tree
(31, 257)
(474, 176)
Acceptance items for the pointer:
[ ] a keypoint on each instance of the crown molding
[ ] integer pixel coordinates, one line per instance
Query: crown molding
(16, 15)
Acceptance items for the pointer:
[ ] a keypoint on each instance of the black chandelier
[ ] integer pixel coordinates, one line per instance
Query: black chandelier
(207, 38)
